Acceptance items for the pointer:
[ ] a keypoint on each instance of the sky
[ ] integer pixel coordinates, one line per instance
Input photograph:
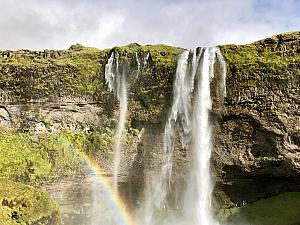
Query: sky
(57, 24)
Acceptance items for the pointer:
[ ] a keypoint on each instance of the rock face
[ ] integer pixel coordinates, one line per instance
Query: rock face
(259, 127)
(256, 127)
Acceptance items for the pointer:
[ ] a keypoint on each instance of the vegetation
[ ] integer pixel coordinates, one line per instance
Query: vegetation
(279, 210)
(30, 159)
(50, 73)
(42, 158)
(24, 205)
(24, 159)
(254, 64)
(78, 71)
(21, 159)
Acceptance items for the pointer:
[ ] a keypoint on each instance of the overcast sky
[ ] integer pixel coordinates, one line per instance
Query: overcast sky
(56, 24)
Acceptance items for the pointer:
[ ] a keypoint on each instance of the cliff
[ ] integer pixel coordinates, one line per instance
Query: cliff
(256, 126)
(257, 145)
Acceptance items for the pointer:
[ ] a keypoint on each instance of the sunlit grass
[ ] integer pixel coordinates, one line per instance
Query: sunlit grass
(283, 209)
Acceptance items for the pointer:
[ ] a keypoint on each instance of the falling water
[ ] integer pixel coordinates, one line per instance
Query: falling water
(158, 188)
(146, 58)
(137, 61)
(222, 62)
(199, 187)
(116, 79)
(190, 108)
(116, 74)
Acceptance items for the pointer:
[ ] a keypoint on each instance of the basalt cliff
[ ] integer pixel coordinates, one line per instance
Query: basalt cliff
(52, 96)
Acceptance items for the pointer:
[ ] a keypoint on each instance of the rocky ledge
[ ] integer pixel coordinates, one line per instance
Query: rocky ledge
(257, 145)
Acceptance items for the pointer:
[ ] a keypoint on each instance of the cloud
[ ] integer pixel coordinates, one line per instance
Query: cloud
(56, 24)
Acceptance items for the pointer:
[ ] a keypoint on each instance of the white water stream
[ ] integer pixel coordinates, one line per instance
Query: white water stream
(116, 75)
(190, 108)
(191, 111)
(116, 79)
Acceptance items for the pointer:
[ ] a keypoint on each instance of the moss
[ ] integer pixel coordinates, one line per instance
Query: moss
(22, 204)
(57, 73)
(279, 210)
(250, 65)
(265, 66)
(79, 72)
(221, 203)
(45, 157)
(63, 152)
(151, 88)
(34, 159)
(21, 158)
(100, 143)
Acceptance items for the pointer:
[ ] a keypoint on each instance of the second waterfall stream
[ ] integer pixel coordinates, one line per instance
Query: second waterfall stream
(117, 71)
(116, 79)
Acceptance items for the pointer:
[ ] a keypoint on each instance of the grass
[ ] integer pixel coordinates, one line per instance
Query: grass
(77, 71)
(24, 159)
(283, 209)
(21, 159)
(42, 158)
(250, 66)
(22, 204)
(70, 72)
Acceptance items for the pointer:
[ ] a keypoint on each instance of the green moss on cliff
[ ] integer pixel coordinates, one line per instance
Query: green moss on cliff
(151, 87)
(79, 72)
(44, 157)
(152, 90)
(63, 152)
(21, 158)
(28, 159)
(49, 73)
(22, 204)
(256, 64)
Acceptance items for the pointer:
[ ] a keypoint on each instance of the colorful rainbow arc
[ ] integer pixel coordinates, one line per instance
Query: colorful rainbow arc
(126, 216)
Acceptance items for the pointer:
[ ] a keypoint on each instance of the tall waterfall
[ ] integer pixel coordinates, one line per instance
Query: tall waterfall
(116, 79)
(116, 75)
(190, 108)
(199, 187)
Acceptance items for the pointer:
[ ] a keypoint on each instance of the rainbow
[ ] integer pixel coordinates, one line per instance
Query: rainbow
(127, 218)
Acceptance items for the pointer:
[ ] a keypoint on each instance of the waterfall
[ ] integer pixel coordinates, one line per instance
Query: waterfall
(116, 74)
(199, 187)
(158, 188)
(190, 108)
(116, 79)
(145, 64)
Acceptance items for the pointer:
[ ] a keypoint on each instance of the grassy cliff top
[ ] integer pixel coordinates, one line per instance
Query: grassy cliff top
(274, 61)
(79, 71)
